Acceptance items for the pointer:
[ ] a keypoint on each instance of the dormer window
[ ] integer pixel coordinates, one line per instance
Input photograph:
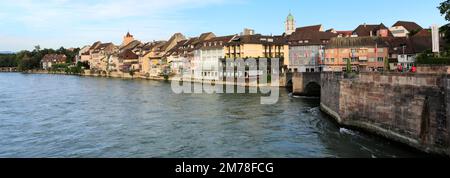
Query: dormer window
(270, 40)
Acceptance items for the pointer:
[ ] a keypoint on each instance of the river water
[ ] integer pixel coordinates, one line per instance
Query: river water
(70, 116)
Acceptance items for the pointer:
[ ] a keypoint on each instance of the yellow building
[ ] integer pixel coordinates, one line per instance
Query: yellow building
(258, 46)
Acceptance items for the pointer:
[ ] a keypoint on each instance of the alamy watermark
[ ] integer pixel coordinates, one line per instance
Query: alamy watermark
(232, 76)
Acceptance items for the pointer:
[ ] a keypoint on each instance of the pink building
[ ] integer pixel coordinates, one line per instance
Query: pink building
(364, 53)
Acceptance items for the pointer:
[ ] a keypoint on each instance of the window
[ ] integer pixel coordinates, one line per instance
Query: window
(380, 59)
(380, 50)
(346, 59)
(371, 59)
(332, 60)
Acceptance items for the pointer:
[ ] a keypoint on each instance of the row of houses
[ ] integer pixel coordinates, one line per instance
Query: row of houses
(304, 49)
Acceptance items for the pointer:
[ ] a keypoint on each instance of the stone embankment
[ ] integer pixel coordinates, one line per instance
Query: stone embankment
(413, 109)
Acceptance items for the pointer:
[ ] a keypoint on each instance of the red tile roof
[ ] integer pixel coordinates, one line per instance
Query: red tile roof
(410, 26)
(367, 30)
(309, 28)
(58, 58)
(128, 54)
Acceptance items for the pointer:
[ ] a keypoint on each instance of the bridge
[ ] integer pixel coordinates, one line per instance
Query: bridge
(305, 84)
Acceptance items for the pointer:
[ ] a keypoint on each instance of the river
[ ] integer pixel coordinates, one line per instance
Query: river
(69, 116)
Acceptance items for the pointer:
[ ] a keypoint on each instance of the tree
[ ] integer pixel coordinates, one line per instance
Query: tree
(349, 66)
(444, 8)
(387, 67)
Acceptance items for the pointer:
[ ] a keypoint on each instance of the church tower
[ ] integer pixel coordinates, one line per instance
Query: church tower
(290, 24)
(127, 39)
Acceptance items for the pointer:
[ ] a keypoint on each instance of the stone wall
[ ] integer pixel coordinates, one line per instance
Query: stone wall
(433, 69)
(408, 108)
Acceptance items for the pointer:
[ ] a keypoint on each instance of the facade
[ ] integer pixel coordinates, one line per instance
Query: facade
(128, 61)
(256, 47)
(404, 50)
(181, 58)
(404, 28)
(306, 49)
(99, 56)
(154, 61)
(52, 59)
(80, 57)
(364, 54)
(209, 56)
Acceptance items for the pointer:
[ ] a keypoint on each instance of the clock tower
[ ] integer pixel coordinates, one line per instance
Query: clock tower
(290, 24)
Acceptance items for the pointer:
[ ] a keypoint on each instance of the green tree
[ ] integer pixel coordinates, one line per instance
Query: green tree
(132, 72)
(444, 8)
(387, 67)
(349, 66)
(8, 60)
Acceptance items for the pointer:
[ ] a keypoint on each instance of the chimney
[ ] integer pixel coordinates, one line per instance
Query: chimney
(365, 25)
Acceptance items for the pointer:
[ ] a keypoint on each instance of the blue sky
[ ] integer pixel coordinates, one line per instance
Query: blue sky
(75, 23)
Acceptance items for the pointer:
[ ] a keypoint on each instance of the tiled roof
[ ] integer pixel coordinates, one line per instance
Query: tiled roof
(128, 54)
(366, 30)
(175, 37)
(350, 42)
(95, 45)
(410, 26)
(54, 58)
(216, 42)
(310, 28)
(258, 39)
(400, 45)
(310, 37)
(131, 45)
(424, 32)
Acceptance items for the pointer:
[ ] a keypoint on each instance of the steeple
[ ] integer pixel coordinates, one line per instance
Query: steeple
(290, 24)
(127, 39)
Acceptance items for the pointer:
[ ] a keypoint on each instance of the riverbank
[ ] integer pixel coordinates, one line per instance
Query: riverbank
(127, 76)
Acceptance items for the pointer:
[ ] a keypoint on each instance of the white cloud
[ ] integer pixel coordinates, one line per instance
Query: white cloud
(55, 22)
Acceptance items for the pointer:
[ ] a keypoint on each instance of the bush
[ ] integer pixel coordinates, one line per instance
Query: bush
(429, 58)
